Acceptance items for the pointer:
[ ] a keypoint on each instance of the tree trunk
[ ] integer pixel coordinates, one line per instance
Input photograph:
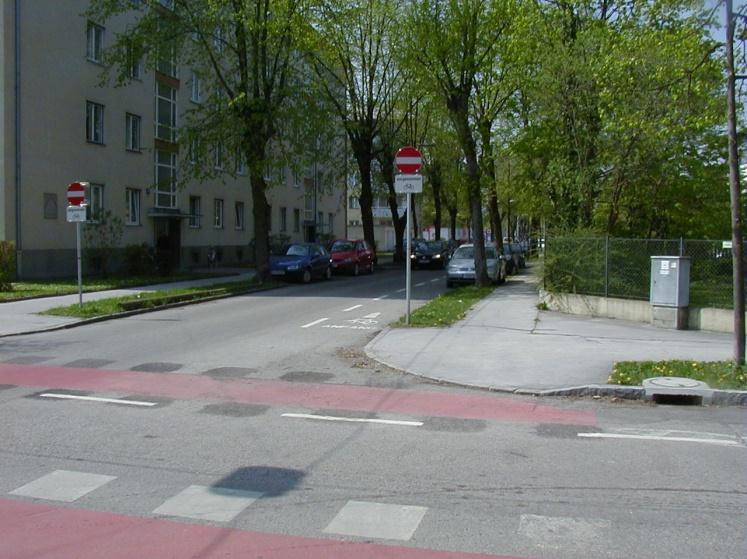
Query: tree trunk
(362, 151)
(452, 220)
(435, 180)
(488, 163)
(260, 211)
(415, 227)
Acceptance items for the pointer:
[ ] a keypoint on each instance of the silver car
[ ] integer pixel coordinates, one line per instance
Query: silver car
(461, 267)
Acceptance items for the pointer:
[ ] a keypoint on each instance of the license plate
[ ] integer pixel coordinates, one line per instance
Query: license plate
(424, 260)
(278, 272)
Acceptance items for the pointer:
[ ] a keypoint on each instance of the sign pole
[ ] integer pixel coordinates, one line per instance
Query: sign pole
(80, 267)
(408, 279)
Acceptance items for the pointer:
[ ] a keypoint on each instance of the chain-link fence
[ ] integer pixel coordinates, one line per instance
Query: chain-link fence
(612, 267)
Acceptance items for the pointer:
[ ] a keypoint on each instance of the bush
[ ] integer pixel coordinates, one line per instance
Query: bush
(138, 260)
(7, 265)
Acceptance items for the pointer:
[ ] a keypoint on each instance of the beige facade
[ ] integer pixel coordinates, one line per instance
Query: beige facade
(69, 128)
(384, 233)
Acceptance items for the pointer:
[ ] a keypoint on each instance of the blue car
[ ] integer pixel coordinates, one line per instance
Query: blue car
(302, 261)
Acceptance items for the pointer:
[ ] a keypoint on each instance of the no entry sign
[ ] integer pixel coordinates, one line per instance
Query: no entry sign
(408, 160)
(76, 193)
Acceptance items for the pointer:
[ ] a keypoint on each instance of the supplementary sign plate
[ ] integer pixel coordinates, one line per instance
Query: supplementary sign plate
(76, 214)
(408, 183)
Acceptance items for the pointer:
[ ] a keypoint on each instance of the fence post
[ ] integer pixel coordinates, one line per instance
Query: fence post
(606, 264)
(682, 247)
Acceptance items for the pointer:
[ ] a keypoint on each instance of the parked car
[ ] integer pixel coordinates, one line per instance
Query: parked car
(352, 256)
(461, 267)
(302, 261)
(430, 254)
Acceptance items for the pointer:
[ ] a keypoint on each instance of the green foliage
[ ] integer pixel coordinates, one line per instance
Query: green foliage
(101, 238)
(7, 265)
(716, 374)
(138, 259)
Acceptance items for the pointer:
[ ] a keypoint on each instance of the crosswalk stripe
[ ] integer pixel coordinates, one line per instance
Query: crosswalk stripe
(200, 502)
(377, 520)
(62, 485)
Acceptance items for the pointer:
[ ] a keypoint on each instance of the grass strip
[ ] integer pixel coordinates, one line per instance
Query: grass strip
(155, 299)
(447, 308)
(51, 288)
(716, 374)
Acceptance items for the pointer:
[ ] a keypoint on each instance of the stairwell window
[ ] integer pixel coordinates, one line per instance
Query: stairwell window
(94, 122)
(239, 216)
(132, 126)
(218, 214)
(283, 220)
(195, 213)
(133, 206)
(95, 205)
(94, 42)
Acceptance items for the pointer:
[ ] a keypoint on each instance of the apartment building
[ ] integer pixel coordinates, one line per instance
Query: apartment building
(59, 125)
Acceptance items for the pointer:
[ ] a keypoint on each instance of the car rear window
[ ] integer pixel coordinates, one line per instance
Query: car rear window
(464, 252)
(341, 246)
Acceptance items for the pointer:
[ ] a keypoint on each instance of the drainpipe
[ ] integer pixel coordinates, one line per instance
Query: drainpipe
(17, 131)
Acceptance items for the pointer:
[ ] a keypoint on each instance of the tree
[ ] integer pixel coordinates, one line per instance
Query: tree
(354, 61)
(451, 43)
(248, 49)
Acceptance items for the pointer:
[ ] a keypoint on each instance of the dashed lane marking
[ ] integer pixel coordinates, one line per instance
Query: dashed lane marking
(310, 324)
(719, 442)
(402, 290)
(421, 284)
(373, 315)
(435, 280)
(354, 419)
(381, 297)
(97, 399)
(352, 308)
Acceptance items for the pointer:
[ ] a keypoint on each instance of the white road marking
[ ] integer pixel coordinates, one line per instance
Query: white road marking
(721, 442)
(421, 284)
(373, 315)
(562, 531)
(381, 297)
(352, 308)
(377, 520)
(62, 485)
(401, 290)
(435, 280)
(219, 504)
(96, 399)
(310, 324)
(354, 419)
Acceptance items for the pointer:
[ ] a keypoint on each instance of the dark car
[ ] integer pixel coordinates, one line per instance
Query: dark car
(352, 256)
(302, 261)
(430, 254)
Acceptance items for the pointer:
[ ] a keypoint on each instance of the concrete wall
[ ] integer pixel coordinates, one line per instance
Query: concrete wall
(715, 320)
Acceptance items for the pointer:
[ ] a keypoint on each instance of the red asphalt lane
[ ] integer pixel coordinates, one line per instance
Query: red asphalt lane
(309, 396)
(41, 531)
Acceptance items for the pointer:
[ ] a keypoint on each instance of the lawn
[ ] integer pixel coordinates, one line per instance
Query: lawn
(448, 307)
(27, 289)
(716, 374)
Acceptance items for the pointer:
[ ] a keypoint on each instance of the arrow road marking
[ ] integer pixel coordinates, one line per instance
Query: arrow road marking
(95, 399)
(310, 324)
(352, 308)
(354, 419)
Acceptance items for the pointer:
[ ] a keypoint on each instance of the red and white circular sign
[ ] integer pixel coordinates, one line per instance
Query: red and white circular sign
(76, 193)
(408, 160)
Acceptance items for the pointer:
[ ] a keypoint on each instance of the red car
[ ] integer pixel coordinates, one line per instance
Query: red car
(352, 256)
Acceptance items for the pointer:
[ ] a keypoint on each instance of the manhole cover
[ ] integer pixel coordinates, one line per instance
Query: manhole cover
(674, 382)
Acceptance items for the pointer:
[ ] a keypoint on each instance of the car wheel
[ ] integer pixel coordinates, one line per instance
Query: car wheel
(371, 267)
(356, 270)
(328, 273)
(306, 277)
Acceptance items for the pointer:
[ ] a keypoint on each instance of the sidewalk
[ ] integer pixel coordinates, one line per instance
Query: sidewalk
(506, 344)
(20, 317)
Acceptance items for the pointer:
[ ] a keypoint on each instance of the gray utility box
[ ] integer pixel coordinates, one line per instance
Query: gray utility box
(670, 291)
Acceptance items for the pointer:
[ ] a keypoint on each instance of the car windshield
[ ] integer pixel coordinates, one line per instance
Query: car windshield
(297, 250)
(434, 245)
(464, 253)
(341, 246)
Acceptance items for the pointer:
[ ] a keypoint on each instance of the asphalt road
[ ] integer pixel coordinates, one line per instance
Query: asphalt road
(254, 427)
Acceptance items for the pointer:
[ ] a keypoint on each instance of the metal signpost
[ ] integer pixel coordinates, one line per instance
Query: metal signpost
(408, 161)
(76, 213)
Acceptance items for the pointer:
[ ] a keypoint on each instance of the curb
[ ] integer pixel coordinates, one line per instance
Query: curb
(720, 397)
(125, 314)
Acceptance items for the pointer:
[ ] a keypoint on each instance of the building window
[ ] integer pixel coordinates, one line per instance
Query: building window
(239, 215)
(132, 125)
(218, 214)
(296, 180)
(95, 198)
(283, 220)
(165, 112)
(193, 153)
(296, 220)
(195, 90)
(166, 63)
(50, 205)
(165, 179)
(268, 172)
(195, 214)
(94, 122)
(135, 69)
(282, 176)
(218, 40)
(218, 156)
(240, 163)
(94, 42)
(354, 203)
(133, 206)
